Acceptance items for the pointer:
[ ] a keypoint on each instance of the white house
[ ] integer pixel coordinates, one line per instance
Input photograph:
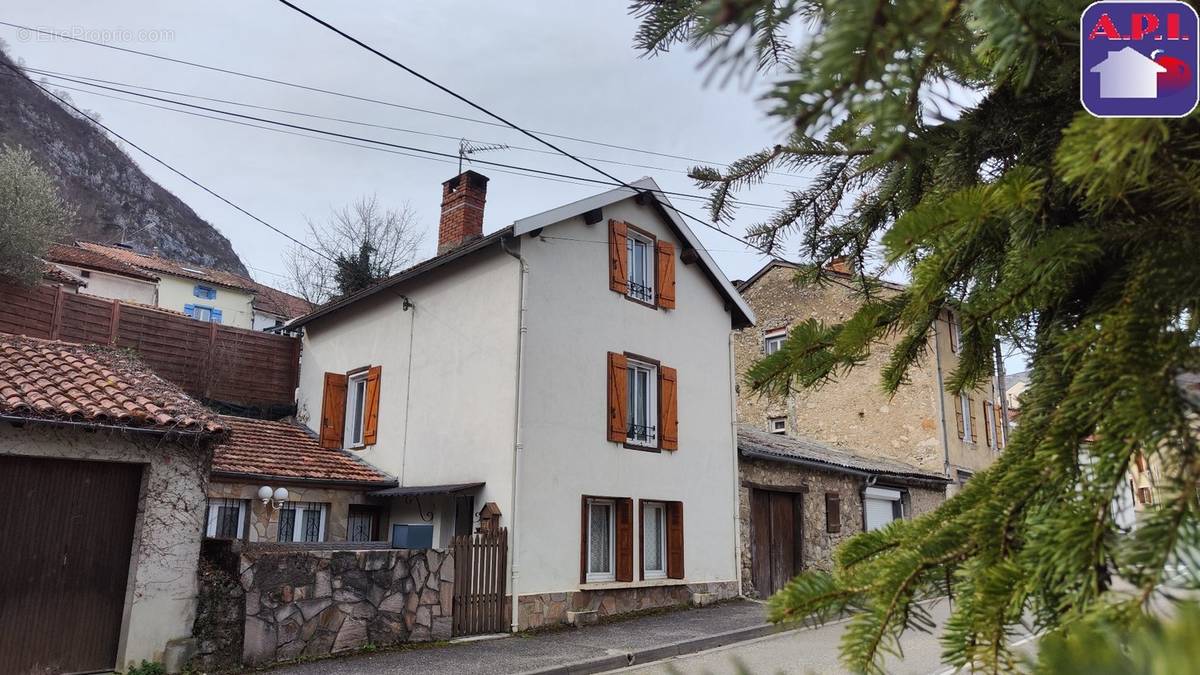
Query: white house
(568, 377)
(1127, 73)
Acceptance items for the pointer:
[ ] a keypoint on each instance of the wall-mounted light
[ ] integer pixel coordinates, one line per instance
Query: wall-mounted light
(275, 498)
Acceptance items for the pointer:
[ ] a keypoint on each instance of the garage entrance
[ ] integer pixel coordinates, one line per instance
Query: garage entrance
(68, 532)
(777, 538)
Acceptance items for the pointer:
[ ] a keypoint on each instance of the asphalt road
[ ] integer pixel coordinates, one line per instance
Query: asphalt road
(806, 651)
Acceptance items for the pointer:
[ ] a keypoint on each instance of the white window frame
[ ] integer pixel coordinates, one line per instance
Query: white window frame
(661, 508)
(356, 394)
(633, 239)
(611, 574)
(777, 425)
(196, 313)
(773, 340)
(632, 368)
(297, 509)
(964, 405)
(955, 333)
(214, 505)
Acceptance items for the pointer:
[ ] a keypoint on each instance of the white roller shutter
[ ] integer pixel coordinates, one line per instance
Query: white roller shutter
(880, 506)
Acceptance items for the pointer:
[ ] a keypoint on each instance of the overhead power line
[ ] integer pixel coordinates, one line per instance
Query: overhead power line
(163, 162)
(365, 99)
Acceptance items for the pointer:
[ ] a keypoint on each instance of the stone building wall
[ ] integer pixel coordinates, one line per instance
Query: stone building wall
(550, 609)
(852, 412)
(319, 602)
(264, 520)
(819, 544)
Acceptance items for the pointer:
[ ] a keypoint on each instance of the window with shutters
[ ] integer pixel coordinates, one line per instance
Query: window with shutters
(601, 535)
(965, 416)
(226, 518)
(356, 409)
(642, 426)
(773, 341)
(654, 540)
(302, 521)
(641, 255)
(206, 292)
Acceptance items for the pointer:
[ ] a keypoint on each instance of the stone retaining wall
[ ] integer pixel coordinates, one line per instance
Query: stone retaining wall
(314, 603)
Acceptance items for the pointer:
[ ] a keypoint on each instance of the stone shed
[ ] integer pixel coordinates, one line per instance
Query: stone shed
(799, 499)
(103, 469)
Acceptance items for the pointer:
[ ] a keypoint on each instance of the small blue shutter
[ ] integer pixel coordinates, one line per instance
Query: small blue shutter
(204, 292)
(216, 316)
(190, 310)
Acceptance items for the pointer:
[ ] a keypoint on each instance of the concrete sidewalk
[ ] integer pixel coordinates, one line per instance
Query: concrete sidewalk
(587, 650)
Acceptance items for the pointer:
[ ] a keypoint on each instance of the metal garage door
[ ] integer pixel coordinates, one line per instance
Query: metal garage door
(67, 528)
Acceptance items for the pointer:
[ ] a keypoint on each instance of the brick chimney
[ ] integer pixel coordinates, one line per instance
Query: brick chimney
(462, 210)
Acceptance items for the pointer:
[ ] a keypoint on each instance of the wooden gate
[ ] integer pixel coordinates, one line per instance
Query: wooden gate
(68, 527)
(480, 561)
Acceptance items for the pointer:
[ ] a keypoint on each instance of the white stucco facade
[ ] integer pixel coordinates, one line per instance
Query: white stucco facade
(114, 286)
(448, 405)
(236, 304)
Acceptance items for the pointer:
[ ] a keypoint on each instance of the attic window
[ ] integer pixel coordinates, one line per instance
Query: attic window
(777, 425)
(205, 292)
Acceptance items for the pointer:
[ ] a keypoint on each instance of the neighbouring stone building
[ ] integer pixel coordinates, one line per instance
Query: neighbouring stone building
(799, 499)
(921, 424)
(103, 470)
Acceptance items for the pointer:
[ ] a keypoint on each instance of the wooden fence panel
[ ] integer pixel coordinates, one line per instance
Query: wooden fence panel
(210, 361)
(480, 561)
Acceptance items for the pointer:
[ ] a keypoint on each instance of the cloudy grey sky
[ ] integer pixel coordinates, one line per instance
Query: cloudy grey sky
(566, 67)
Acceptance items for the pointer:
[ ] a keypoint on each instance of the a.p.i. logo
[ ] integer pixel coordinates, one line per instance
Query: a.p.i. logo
(1139, 59)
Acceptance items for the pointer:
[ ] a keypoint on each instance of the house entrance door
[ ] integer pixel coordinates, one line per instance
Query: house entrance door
(777, 538)
(68, 526)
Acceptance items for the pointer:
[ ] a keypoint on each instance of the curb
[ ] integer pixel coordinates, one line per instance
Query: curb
(651, 654)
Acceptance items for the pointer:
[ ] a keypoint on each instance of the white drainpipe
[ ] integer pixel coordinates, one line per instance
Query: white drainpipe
(518, 442)
(737, 505)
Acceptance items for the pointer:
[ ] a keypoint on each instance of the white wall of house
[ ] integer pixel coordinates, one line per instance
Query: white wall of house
(574, 320)
(176, 293)
(160, 601)
(457, 426)
(263, 321)
(115, 287)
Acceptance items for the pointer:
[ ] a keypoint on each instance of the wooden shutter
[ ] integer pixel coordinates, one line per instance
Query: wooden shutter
(668, 409)
(833, 512)
(1141, 461)
(987, 423)
(371, 431)
(333, 410)
(618, 397)
(1001, 425)
(675, 540)
(958, 417)
(666, 274)
(624, 543)
(618, 257)
(974, 426)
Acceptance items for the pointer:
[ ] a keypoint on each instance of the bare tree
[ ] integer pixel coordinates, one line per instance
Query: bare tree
(353, 248)
(32, 215)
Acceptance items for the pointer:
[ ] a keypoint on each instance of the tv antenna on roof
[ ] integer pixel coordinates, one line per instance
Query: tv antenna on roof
(466, 148)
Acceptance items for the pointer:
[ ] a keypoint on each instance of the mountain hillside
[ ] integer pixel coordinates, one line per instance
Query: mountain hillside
(107, 188)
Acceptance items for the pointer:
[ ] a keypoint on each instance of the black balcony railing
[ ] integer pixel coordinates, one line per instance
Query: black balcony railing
(641, 433)
(639, 292)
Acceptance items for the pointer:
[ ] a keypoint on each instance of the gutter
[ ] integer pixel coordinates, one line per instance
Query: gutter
(914, 481)
(518, 435)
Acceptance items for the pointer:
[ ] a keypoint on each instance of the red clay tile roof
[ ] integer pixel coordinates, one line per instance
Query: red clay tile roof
(82, 257)
(57, 275)
(179, 269)
(285, 450)
(88, 384)
(275, 301)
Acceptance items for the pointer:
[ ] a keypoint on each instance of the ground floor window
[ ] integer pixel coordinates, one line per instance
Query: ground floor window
(600, 528)
(654, 540)
(363, 524)
(301, 521)
(882, 506)
(226, 518)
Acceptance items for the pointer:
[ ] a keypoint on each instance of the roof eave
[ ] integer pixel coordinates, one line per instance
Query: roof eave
(838, 468)
(306, 480)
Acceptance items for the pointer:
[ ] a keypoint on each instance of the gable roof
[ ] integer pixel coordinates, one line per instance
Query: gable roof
(93, 386)
(787, 264)
(742, 314)
(165, 265)
(778, 447)
(274, 301)
(86, 258)
(283, 450)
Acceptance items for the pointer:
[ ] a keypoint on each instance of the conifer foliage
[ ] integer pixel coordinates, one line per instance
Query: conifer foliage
(947, 136)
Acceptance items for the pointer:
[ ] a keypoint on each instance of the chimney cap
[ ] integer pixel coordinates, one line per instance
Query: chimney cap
(474, 179)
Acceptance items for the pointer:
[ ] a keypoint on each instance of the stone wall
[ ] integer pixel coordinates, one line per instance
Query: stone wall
(819, 544)
(550, 609)
(319, 602)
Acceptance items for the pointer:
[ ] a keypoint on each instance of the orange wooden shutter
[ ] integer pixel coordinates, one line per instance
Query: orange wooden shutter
(675, 540)
(618, 397)
(668, 408)
(618, 257)
(624, 542)
(666, 275)
(958, 417)
(974, 426)
(371, 432)
(1001, 425)
(333, 410)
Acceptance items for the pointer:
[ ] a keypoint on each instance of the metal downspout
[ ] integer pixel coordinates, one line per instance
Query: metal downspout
(737, 496)
(518, 436)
